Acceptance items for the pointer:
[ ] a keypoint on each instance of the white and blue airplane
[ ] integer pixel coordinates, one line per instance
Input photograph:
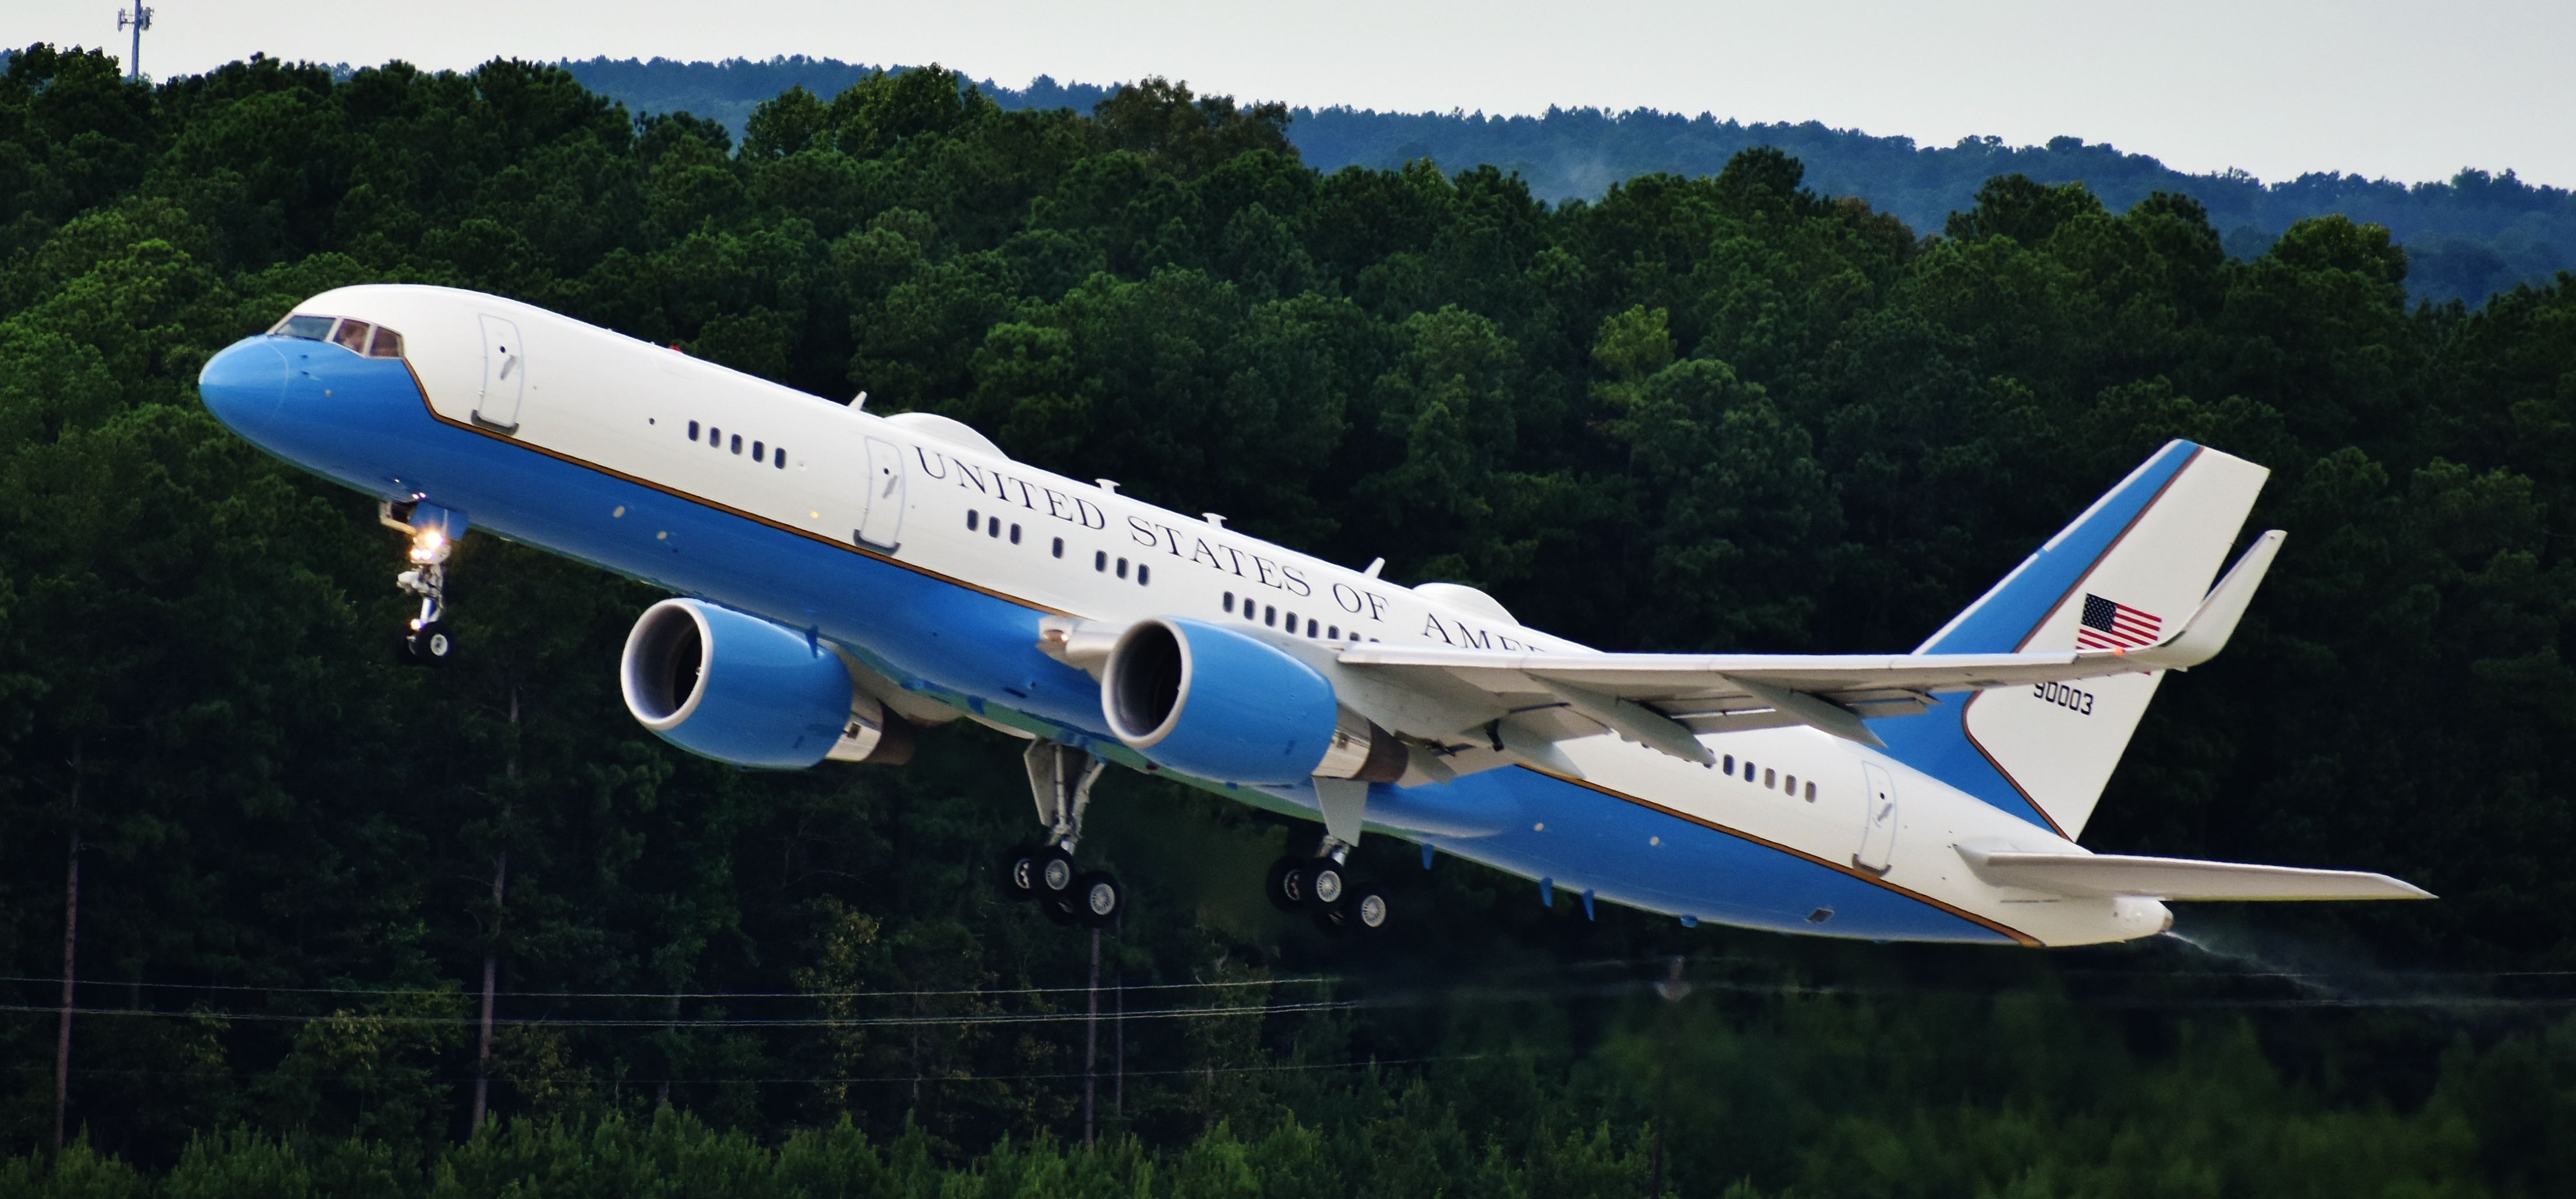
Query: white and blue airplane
(841, 577)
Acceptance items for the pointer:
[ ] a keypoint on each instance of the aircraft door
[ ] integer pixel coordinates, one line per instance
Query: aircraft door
(505, 375)
(881, 508)
(1878, 820)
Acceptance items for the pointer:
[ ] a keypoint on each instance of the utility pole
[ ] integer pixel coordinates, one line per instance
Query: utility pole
(492, 950)
(71, 943)
(491, 978)
(1091, 1042)
(140, 19)
(1118, 1050)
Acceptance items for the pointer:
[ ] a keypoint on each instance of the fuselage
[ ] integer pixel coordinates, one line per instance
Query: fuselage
(922, 551)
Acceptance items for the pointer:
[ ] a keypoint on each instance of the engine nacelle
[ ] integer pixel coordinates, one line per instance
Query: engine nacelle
(751, 692)
(1221, 704)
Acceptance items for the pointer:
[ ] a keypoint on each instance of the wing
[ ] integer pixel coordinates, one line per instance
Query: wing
(1668, 700)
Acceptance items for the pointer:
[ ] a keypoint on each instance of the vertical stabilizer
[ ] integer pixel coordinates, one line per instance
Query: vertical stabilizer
(2126, 574)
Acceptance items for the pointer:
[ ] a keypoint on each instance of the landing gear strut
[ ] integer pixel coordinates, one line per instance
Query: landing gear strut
(426, 640)
(1060, 779)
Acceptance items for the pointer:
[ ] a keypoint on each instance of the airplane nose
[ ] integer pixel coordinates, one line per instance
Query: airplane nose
(242, 384)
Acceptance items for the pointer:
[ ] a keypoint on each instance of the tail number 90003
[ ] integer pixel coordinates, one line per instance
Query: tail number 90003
(2069, 698)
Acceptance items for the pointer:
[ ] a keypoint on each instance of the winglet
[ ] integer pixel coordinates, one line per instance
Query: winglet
(2210, 625)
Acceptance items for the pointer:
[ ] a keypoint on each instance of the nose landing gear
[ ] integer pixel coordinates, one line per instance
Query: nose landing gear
(1060, 779)
(426, 640)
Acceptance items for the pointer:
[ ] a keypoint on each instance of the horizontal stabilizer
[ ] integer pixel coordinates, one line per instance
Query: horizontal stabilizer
(2178, 878)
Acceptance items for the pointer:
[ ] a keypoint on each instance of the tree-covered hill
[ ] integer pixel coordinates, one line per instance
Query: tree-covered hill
(285, 877)
(2467, 238)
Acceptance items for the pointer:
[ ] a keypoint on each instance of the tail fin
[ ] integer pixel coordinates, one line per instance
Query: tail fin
(2124, 575)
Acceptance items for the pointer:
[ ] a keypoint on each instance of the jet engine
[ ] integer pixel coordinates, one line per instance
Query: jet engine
(751, 692)
(1222, 704)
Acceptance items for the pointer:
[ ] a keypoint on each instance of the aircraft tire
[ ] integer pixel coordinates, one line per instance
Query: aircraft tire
(1286, 884)
(1365, 910)
(1328, 883)
(1019, 873)
(434, 645)
(1055, 875)
(1098, 899)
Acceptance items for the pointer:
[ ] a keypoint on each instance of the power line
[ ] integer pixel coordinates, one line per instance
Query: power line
(378, 1018)
(1057, 1076)
(667, 995)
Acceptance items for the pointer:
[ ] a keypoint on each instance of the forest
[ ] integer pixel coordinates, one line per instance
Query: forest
(2467, 237)
(259, 885)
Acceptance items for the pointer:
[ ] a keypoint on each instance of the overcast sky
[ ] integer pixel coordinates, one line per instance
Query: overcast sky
(2404, 91)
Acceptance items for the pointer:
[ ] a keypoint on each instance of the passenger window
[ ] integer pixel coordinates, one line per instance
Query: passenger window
(1229, 603)
(1770, 778)
(1015, 534)
(1122, 568)
(308, 328)
(1793, 784)
(1292, 622)
(693, 430)
(388, 344)
(1811, 790)
(1059, 547)
(1270, 616)
(1310, 626)
(737, 443)
(715, 438)
(1730, 763)
(974, 521)
(1144, 574)
(759, 451)
(778, 457)
(993, 527)
(1748, 770)
(1333, 633)
(1099, 559)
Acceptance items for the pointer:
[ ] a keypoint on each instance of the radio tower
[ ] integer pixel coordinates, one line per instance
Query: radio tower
(140, 19)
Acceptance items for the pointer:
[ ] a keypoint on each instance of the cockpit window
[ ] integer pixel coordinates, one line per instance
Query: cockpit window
(355, 336)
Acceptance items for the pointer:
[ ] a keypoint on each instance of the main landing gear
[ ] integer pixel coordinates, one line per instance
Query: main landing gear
(1060, 779)
(1321, 887)
(426, 641)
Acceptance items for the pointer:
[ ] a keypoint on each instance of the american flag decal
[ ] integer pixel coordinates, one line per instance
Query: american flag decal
(2109, 624)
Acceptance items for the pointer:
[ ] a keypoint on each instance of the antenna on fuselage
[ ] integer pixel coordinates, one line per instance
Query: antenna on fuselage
(861, 403)
(1108, 485)
(1375, 565)
(1214, 518)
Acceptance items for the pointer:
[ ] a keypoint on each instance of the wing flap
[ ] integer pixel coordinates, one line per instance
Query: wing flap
(2179, 878)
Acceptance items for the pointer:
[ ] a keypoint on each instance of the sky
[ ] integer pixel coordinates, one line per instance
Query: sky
(2390, 90)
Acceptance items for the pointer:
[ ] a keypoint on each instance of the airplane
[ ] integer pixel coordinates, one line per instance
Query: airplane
(841, 578)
